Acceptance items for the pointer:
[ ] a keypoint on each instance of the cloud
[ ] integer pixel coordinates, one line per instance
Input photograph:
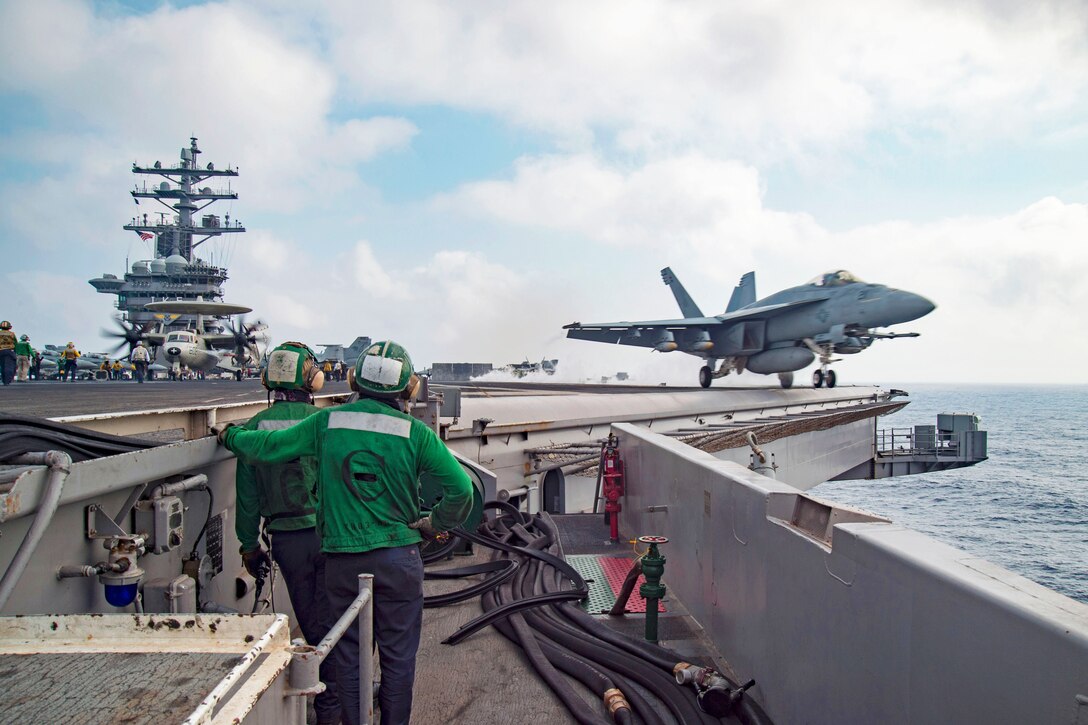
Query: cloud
(774, 78)
(226, 72)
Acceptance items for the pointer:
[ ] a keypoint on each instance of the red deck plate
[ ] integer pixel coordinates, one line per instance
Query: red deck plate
(615, 570)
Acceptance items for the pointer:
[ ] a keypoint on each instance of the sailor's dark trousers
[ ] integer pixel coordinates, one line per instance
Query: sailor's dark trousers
(298, 555)
(7, 366)
(398, 617)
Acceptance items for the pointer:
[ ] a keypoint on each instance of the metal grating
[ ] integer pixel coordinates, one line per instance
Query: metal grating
(601, 596)
(605, 575)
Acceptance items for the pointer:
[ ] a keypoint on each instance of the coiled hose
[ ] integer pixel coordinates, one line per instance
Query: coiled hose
(531, 602)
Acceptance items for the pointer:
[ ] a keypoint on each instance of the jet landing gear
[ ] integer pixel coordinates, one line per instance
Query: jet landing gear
(825, 375)
(707, 373)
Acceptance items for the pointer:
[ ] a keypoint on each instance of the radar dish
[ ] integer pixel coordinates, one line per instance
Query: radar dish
(198, 307)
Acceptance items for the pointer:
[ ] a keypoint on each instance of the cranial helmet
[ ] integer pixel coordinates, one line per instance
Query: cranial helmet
(5, 325)
(139, 343)
(384, 370)
(25, 338)
(293, 366)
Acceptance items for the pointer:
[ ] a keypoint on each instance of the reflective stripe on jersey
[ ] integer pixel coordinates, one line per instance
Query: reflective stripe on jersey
(373, 422)
(276, 424)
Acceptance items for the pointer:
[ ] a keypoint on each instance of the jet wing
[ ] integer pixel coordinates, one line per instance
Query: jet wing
(639, 334)
(768, 310)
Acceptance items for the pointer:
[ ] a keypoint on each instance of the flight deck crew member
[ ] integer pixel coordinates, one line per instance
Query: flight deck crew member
(284, 496)
(69, 355)
(370, 456)
(139, 358)
(118, 369)
(7, 353)
(24, 353)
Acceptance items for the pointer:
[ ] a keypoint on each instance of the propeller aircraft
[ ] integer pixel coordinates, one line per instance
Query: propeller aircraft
(836, 313)
(198, 348)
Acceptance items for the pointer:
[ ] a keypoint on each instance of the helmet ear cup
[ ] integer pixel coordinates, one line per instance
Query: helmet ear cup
(264, 377)
(412, 389)
(354, 386)
(317, 380)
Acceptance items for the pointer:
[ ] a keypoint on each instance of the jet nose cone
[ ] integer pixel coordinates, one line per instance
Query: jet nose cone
(908, 306)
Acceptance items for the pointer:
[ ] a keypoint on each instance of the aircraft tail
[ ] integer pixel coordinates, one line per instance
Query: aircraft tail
(744, 293)
(687, 306)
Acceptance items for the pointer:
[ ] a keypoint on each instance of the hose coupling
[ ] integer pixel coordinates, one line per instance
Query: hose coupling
(684, 672)
(615, 701)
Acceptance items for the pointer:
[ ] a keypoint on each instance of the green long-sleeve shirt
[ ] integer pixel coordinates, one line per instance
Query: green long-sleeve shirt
(370, 458)
(24, 349)
(282, 493)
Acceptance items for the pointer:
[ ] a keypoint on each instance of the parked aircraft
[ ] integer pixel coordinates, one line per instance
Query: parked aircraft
(198, 349)
(346, 353)
(88, 362)
(782, 333)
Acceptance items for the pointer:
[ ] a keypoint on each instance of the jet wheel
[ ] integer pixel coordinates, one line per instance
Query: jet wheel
(830, 378)
(818, 379)
(705, 376)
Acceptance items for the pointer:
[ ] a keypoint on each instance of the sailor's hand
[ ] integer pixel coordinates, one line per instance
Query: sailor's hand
(255, 561)
(219, 429)
(425, 527)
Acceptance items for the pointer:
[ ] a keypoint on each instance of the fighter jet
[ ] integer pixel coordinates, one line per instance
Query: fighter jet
(836, 313)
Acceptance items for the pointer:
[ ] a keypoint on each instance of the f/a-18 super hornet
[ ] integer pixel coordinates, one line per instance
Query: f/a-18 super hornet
(836, 313)
(197, 348)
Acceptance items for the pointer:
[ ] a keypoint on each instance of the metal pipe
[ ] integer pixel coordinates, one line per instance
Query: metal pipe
(169, 489)
(76, 570)
(366, 653)
(204, 711)
(60, 464)
(350, 614)
(507, 494)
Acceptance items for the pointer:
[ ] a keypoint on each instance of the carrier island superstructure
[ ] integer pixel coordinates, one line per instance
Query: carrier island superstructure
(175, 217)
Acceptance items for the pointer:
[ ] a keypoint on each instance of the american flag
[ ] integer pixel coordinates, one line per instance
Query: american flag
(146, 235)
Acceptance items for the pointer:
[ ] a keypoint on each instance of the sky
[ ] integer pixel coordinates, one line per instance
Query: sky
(468, 177)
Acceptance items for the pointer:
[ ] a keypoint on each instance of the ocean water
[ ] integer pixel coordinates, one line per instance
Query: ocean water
(1025, 508)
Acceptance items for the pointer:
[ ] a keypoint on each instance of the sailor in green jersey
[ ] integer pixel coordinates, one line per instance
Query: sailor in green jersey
(283, 495)
(24, 353)
(371, 455)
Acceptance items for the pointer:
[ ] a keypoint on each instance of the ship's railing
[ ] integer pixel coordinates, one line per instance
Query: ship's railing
(911, 442)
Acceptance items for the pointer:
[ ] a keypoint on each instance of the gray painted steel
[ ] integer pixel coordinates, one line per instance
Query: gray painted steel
(843, 618)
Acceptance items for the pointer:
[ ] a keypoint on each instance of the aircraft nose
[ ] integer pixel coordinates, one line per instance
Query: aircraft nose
(907, 306)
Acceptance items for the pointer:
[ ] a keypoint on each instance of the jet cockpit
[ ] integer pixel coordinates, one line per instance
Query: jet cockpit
(837, 278)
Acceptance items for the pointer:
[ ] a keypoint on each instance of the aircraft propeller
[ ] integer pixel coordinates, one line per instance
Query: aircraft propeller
(129, 334)
(246, 339)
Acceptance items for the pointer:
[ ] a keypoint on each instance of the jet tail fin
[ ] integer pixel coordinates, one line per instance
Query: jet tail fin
(688, 308)
(744, 293)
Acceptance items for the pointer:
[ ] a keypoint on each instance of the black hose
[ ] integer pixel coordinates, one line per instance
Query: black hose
(620, 606)
(207, 519)
(21, 434)
(503, 569)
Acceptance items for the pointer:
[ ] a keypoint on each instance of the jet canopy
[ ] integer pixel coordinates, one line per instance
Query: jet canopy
(837, 278)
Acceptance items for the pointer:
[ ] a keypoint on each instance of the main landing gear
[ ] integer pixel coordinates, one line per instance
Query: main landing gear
(821, 377)
(706, 375)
